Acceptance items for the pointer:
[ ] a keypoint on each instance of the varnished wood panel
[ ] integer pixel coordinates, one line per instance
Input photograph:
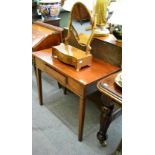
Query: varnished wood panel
(110, 88)
(75, 86)
(72, 56)
(40, 64)
(44, 36)
(107, 52)
(46, 41)
(56, 75)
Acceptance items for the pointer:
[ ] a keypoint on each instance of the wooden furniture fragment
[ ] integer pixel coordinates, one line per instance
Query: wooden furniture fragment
(111, 95)
(107, 49)
(81, 83)
(55, 21)
(45, 36)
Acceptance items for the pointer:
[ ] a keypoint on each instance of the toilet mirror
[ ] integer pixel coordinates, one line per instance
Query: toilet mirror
(81, 25)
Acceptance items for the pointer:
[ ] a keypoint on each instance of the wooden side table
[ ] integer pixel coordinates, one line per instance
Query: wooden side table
(82, 83)
(111, 95)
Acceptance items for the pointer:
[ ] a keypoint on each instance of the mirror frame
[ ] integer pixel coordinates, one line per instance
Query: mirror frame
(72, 30)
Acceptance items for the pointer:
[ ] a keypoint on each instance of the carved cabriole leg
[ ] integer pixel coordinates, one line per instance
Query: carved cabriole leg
(105, 119)
(39, 83)
(81, 117)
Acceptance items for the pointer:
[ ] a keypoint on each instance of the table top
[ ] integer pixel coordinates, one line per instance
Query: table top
(98, 70)
(110, 88)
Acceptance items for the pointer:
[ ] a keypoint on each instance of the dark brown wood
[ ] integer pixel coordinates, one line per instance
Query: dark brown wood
(54, 22)
(107, 49)
(39, 83)
(77, 82)
(108, 87)
(111, 95)
(105, 119)
(80, 13)
(60, 86)
(65, 91)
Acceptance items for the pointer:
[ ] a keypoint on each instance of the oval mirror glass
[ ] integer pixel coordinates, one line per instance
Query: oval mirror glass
(81, 23)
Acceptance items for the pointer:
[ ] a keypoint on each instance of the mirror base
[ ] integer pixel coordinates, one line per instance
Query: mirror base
(72, 56)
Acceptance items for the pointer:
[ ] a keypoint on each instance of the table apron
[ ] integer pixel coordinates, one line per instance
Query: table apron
(67, 82)
(51, 72)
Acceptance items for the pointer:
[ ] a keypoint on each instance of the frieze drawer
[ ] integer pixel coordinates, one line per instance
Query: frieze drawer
(56, 75)
(50, 71)
(75, 86)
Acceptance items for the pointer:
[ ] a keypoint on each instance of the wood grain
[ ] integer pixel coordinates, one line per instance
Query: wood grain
(43, 37)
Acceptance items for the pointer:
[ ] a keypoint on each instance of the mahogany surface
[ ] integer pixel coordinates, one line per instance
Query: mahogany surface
(45, 36)
(109, 87)
(86, 75)
(82, 82)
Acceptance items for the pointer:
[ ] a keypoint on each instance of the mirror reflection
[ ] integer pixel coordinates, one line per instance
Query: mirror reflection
(81, 23)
